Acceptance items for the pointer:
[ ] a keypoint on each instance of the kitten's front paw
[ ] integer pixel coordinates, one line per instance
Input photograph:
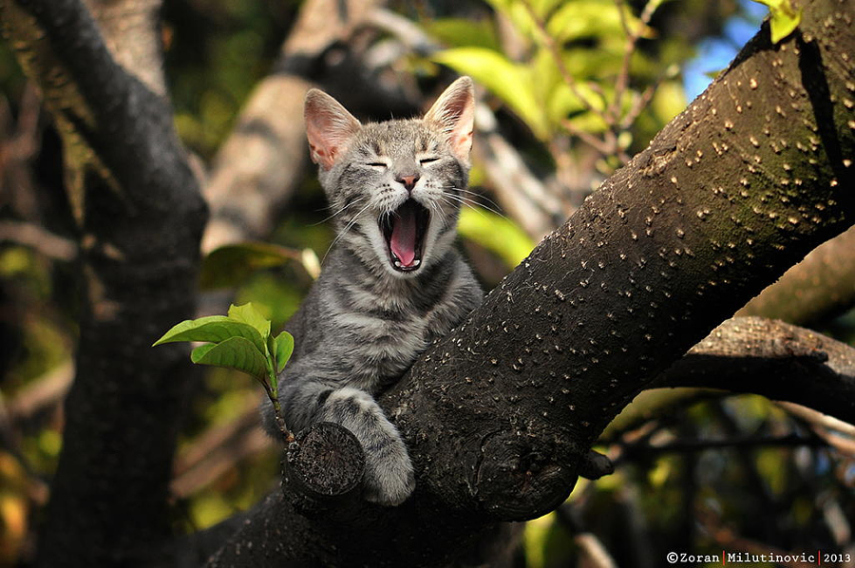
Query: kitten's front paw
(389, 482)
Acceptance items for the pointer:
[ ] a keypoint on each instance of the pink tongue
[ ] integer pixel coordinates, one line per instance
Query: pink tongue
(403, 241)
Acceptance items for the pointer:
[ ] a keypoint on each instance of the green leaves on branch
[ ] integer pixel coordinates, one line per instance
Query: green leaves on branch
(240, 341)
(563, 77)
(498, 234)
(511, 82)
(783, 18)
(234, 353)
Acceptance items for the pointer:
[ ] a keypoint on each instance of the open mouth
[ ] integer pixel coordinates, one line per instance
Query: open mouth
(404, 231)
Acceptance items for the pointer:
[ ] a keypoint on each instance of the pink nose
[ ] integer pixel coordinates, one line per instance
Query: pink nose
(408, 181)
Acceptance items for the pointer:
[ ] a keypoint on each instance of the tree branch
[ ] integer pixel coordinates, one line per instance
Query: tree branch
(120, 20)
(500, 414)
(775, 359)
(259, 166)
(820, 287)
(39, 239)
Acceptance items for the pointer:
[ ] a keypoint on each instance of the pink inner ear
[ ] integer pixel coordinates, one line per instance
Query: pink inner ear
(321, 156)
(329, 128)
(323, 140)
(454, 112)
(461, 144)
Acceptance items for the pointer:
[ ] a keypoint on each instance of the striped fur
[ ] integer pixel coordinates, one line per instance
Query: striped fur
(364, 322)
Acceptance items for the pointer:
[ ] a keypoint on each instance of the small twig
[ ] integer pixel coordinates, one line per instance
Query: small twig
(598, 144)
(39, 239)
(403, 29)
(593, 549)
(729, 540)
(836, 433)
(215, 438)
(554, 50)
(47, 390)
(817, 419)
(26, 137)
(220, 460)
(639, 105)
(622, 81)
(683, 446)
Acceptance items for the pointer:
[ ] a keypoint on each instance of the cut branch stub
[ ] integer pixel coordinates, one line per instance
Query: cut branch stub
(322, 471)
(517, 481)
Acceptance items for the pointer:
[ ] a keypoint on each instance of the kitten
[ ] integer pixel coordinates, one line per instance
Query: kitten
(391, 282)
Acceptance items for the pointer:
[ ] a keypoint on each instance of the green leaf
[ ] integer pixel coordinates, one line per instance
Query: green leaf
(593, 19)
(458, 32)
(511, 82)
(235, 353)
(200, 351)
(249, 315)
(212, 329)
(229, 266)
(283, 347)
(783, 18)
(783, 24)
(497, 234)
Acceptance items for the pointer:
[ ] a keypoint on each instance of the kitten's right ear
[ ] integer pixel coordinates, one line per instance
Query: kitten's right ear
(329, 127)
(454, 114)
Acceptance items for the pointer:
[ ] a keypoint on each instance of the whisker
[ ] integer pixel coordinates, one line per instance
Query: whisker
(339, 212)
(346, 229)
(493, 207)
(475, 206)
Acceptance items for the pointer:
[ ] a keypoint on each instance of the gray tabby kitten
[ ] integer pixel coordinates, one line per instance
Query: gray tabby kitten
(391, 282)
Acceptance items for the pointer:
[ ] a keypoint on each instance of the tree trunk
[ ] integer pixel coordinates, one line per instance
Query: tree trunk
(140, 217)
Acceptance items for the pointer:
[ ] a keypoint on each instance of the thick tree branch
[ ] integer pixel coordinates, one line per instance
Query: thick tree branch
(131, 33)
(819, 287)
(500, 414)
(775, 359)
(139, 215)
(261, 163)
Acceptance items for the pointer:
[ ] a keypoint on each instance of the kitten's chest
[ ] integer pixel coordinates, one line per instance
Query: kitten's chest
(382, 345)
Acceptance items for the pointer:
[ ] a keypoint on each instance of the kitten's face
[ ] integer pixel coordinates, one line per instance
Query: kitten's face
(394, 187)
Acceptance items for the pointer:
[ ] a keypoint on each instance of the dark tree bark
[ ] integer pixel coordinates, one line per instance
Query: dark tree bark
(780, 361)
(820, 287)
(140, 217)
(500, 415)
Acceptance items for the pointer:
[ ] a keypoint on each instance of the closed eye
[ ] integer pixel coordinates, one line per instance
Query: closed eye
(377, 164)
(428, 160)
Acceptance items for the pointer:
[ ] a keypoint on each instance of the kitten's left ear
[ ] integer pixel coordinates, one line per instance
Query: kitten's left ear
(454, 114)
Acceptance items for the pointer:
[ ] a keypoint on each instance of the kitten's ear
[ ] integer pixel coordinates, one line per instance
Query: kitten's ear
(454, 114)
(329, 127)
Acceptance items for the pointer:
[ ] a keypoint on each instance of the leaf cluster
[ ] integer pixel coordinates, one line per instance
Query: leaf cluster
(241, 340)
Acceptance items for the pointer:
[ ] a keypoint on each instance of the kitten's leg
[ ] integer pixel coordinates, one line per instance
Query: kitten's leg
(301, 398)
(389, 478)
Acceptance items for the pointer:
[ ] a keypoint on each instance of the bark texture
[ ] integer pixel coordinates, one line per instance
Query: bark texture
(500, 414)
(820, 287)
(780, 361)
(140, 216)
